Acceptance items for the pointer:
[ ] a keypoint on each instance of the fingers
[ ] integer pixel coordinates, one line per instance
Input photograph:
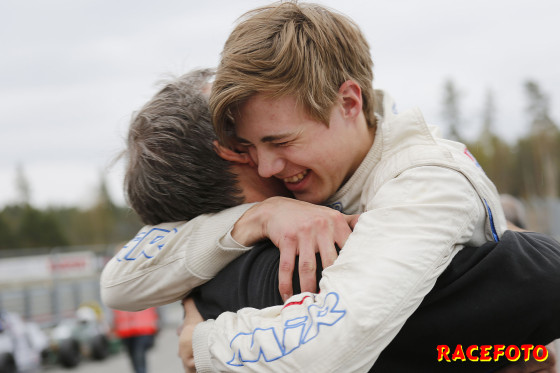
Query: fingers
(552, 357)
(285, 273)
(189, 305)
(192, 316)
(179, 330)
(191, 320)
(307, 266)
(351, 220)
(327, 250)
(297, 227)
(185, 349)
(344, 229)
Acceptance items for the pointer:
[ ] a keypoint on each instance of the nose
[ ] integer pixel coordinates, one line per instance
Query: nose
(269, 163)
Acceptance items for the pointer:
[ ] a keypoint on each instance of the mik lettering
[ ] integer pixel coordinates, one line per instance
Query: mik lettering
(271, 344)
(144, 245)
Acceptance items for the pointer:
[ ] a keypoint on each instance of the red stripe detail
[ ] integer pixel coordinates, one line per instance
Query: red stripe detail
(468, 154)
(295, 303)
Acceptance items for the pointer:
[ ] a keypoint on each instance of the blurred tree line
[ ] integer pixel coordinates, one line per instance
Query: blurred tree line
(25, 226)
(526, 169)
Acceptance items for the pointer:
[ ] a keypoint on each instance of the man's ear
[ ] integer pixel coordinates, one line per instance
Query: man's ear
(351, 95)
(232, 155)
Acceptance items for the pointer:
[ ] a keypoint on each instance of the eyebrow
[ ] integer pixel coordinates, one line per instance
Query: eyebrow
(265, 139)
(242, 141)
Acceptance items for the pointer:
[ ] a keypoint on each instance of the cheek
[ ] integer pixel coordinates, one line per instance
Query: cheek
(300, 155)
(318, 158)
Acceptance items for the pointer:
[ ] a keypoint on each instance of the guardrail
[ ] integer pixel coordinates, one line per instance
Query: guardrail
(48, 285)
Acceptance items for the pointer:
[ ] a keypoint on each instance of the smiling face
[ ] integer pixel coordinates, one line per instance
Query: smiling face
(312, 159)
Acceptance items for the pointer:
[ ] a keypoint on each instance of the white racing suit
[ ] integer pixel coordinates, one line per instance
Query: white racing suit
(164, 262)
(424, 199)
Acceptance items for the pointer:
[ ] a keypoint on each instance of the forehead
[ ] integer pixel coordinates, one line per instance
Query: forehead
(261, 116)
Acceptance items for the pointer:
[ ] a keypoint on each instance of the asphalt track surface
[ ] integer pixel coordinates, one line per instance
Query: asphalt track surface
(161, 359)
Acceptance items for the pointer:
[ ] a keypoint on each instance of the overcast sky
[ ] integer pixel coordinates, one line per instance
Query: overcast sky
(73, 71)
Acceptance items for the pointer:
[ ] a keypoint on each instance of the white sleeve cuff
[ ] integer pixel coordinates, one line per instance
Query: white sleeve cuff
(201, 349)
(227, 243)
(210, 250)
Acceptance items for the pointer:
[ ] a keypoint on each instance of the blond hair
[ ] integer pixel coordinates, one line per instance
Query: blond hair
(289, 48)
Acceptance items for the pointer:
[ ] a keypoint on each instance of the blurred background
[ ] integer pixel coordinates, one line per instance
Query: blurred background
(72, 73)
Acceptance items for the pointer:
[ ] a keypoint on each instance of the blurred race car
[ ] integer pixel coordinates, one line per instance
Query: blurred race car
(23, 345)
(83, 336)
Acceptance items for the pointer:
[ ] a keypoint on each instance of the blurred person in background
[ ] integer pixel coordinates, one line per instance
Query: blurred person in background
(137, 331)
(514, 210)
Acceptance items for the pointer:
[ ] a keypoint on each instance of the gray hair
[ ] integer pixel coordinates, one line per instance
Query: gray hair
(173, 172)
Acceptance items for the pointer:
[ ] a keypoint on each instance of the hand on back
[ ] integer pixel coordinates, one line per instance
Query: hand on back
(296, 228)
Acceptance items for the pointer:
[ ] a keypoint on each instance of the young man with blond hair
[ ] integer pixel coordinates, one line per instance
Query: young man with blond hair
(422, 198)
(294, 88)
(173, 173)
